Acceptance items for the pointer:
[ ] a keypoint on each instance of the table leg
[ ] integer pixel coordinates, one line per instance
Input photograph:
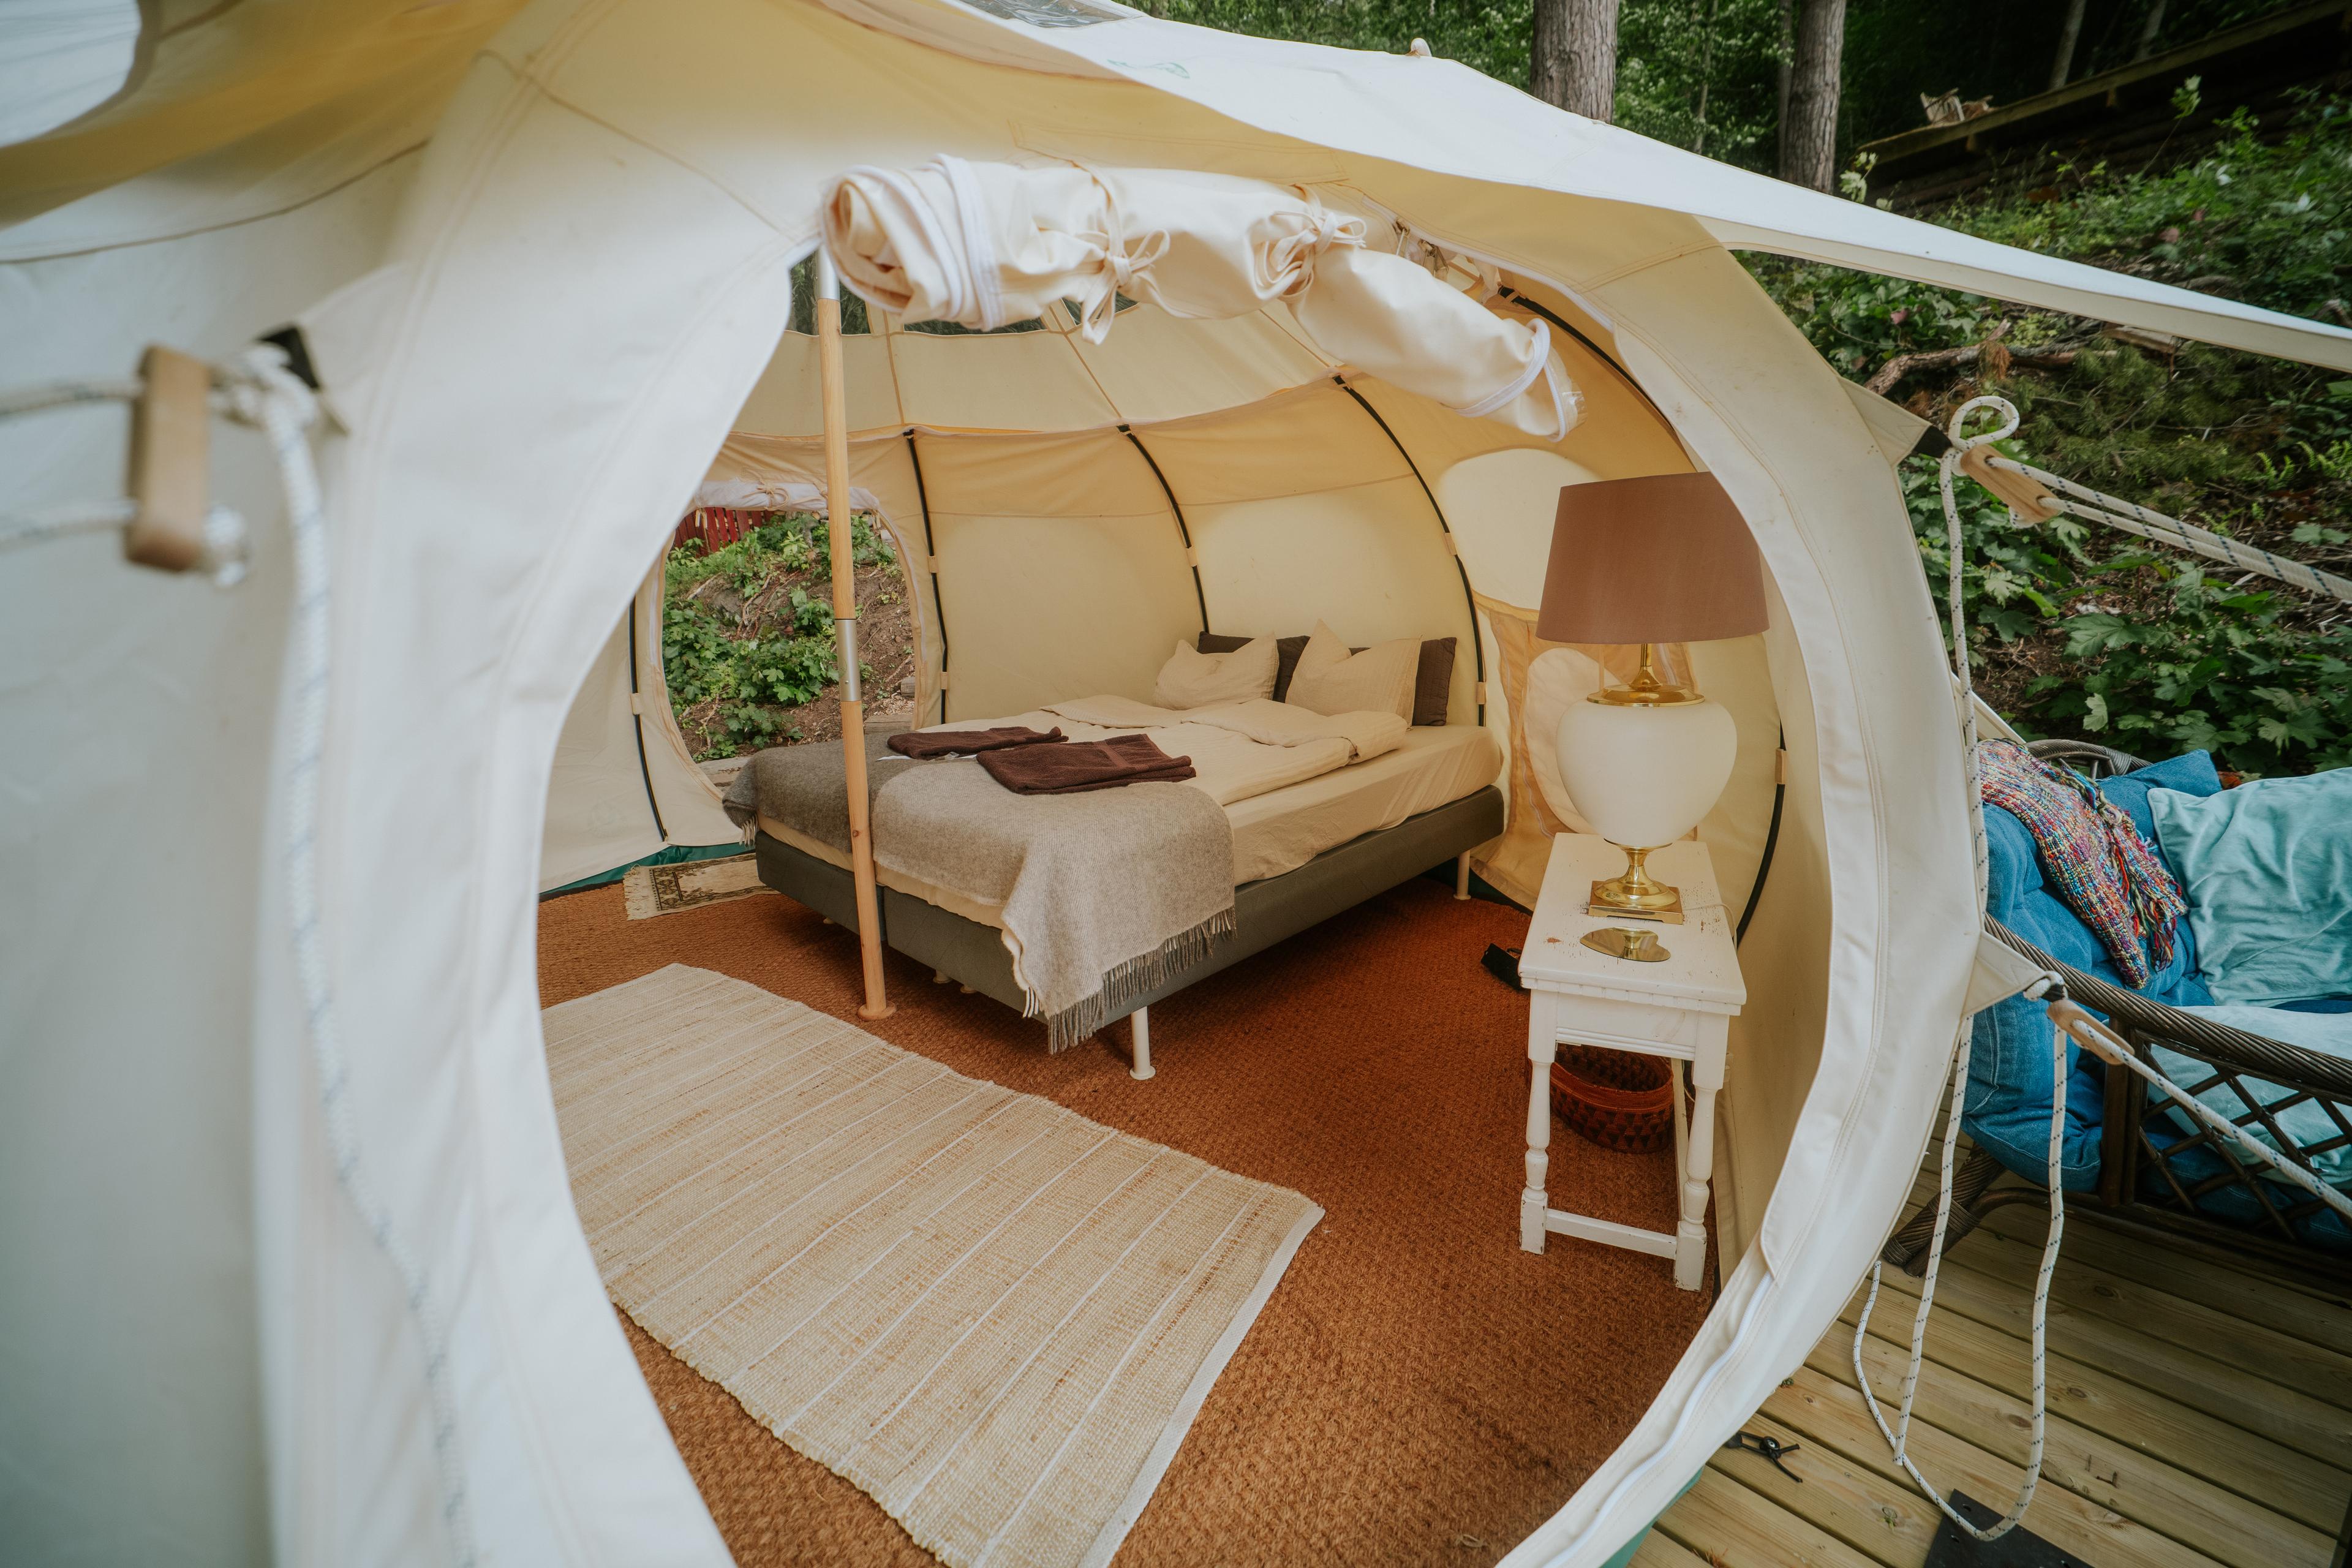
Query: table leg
(1698, 1168)
(1541, 1044)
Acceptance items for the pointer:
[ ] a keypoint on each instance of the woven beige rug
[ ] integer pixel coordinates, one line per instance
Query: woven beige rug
(996, 1317)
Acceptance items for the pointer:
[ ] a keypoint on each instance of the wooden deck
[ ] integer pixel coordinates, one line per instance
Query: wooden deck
(2199, 1413)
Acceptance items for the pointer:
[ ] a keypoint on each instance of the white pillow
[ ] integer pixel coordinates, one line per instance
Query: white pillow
(1191, 678)
(1329, 680)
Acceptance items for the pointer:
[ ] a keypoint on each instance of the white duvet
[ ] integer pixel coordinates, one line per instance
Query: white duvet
(1238, 749)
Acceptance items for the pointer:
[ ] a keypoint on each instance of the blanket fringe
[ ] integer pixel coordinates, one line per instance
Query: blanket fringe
(1137, 977)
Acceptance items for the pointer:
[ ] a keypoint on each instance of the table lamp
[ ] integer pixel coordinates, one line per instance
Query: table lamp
(1664, 559)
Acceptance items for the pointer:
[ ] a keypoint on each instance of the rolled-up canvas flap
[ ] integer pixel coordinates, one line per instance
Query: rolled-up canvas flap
(986, 245)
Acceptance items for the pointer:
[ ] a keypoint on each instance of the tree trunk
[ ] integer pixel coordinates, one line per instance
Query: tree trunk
(1809, 146)
(1787, 38)
(2148, 31)
(1575, 55)
(2070, 32)
(1705, 71)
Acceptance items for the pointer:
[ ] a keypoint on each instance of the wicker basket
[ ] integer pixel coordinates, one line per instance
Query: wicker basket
(1615, 1099)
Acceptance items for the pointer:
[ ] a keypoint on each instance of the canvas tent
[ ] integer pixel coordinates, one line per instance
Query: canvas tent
(539, 255)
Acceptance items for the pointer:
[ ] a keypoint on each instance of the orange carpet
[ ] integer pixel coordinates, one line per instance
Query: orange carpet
(1418, 1390)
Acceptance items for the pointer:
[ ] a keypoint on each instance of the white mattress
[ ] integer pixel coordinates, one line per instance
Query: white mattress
(1283, 829)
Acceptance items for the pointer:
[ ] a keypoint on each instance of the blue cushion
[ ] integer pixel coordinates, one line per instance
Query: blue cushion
(2007, 1106)
(2319, 1004)
(2268, 870)
(2191, 774)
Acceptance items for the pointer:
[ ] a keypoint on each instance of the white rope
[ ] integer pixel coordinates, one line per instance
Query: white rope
(1898, 1438)
(260, 391)
(57, 522)
(2072, 1022)
(2094, 506)
(226, 541)
(66, 394)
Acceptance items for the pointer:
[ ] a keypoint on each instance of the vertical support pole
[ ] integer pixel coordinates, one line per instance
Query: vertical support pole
(844, 624)
(1462, 876)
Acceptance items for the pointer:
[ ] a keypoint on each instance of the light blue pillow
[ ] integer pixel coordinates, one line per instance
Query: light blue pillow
(2304, 1121)
(2268, 870)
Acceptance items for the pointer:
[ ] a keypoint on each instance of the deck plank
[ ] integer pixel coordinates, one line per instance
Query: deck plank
(2312, 1424)
(2304, 1310)
(2166, 1498)
(1732, 1526)
(1888, 1523)
(2248, 1464)
(1659, 1550)
(1830, 1413)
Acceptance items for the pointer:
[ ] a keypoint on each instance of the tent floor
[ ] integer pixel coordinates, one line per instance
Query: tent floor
(2200, 1412)
(1418, 1390)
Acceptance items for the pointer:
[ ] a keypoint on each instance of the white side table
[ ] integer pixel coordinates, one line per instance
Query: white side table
(1680, 1009)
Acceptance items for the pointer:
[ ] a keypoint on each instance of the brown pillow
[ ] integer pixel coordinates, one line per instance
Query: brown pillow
(1432, 685)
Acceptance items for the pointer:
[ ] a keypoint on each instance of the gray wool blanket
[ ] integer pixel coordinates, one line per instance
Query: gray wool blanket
(1106, 895)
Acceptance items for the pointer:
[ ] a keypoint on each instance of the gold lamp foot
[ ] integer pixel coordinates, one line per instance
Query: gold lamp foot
(1635, 894)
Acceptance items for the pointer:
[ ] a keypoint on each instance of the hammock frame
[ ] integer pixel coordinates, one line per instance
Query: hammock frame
(2164, 1186)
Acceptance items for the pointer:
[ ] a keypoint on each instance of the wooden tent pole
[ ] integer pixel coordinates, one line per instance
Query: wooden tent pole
(844, 624)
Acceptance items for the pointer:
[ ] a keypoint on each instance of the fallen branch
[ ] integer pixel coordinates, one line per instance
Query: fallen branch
(1997, 358)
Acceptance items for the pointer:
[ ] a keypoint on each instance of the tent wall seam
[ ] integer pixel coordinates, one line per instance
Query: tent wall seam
(930, 563)
(637, 724)
(1478, 645)
(1182, 529)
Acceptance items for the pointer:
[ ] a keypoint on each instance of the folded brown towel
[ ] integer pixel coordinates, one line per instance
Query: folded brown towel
(1078, 765)
(923, 745)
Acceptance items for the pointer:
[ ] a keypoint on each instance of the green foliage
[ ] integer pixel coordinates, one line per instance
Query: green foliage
(779, 650)
(2083, 631)
(1702, 74)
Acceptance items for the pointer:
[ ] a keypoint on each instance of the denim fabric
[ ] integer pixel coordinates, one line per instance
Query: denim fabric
(2009, 1095)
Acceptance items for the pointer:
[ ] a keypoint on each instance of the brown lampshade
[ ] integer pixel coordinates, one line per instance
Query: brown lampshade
(1666, 558)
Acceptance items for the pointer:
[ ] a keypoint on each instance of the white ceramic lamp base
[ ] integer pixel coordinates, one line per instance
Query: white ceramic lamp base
(1643, 776)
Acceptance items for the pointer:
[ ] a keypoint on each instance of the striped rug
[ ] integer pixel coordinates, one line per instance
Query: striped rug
(995, 1316)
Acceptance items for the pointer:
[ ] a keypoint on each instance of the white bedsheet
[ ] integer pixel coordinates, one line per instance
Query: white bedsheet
(1276, 829)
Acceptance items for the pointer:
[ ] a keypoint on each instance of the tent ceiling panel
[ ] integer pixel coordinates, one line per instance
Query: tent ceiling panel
(1368, 560)
(1314, 440)
(1089, 473)
(1019, 381)
(784, 402)
(1154, 367)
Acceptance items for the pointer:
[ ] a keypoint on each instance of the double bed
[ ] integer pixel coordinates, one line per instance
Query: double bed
(1306, 816)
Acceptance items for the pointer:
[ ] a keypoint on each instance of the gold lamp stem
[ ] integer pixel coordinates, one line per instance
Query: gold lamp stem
(1648, 689)
(1634, 888)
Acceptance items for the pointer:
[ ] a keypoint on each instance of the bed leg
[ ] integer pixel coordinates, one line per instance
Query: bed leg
(1139, 1021)
(1461, 875)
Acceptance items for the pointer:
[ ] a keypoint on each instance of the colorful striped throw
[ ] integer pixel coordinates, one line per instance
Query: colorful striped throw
(2103, 870)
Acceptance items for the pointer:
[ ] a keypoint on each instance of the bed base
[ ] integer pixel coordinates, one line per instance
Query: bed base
(1266, 912)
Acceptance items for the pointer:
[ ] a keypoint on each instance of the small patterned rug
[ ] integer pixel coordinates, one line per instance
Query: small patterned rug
(996, 1317)
(651, 890)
